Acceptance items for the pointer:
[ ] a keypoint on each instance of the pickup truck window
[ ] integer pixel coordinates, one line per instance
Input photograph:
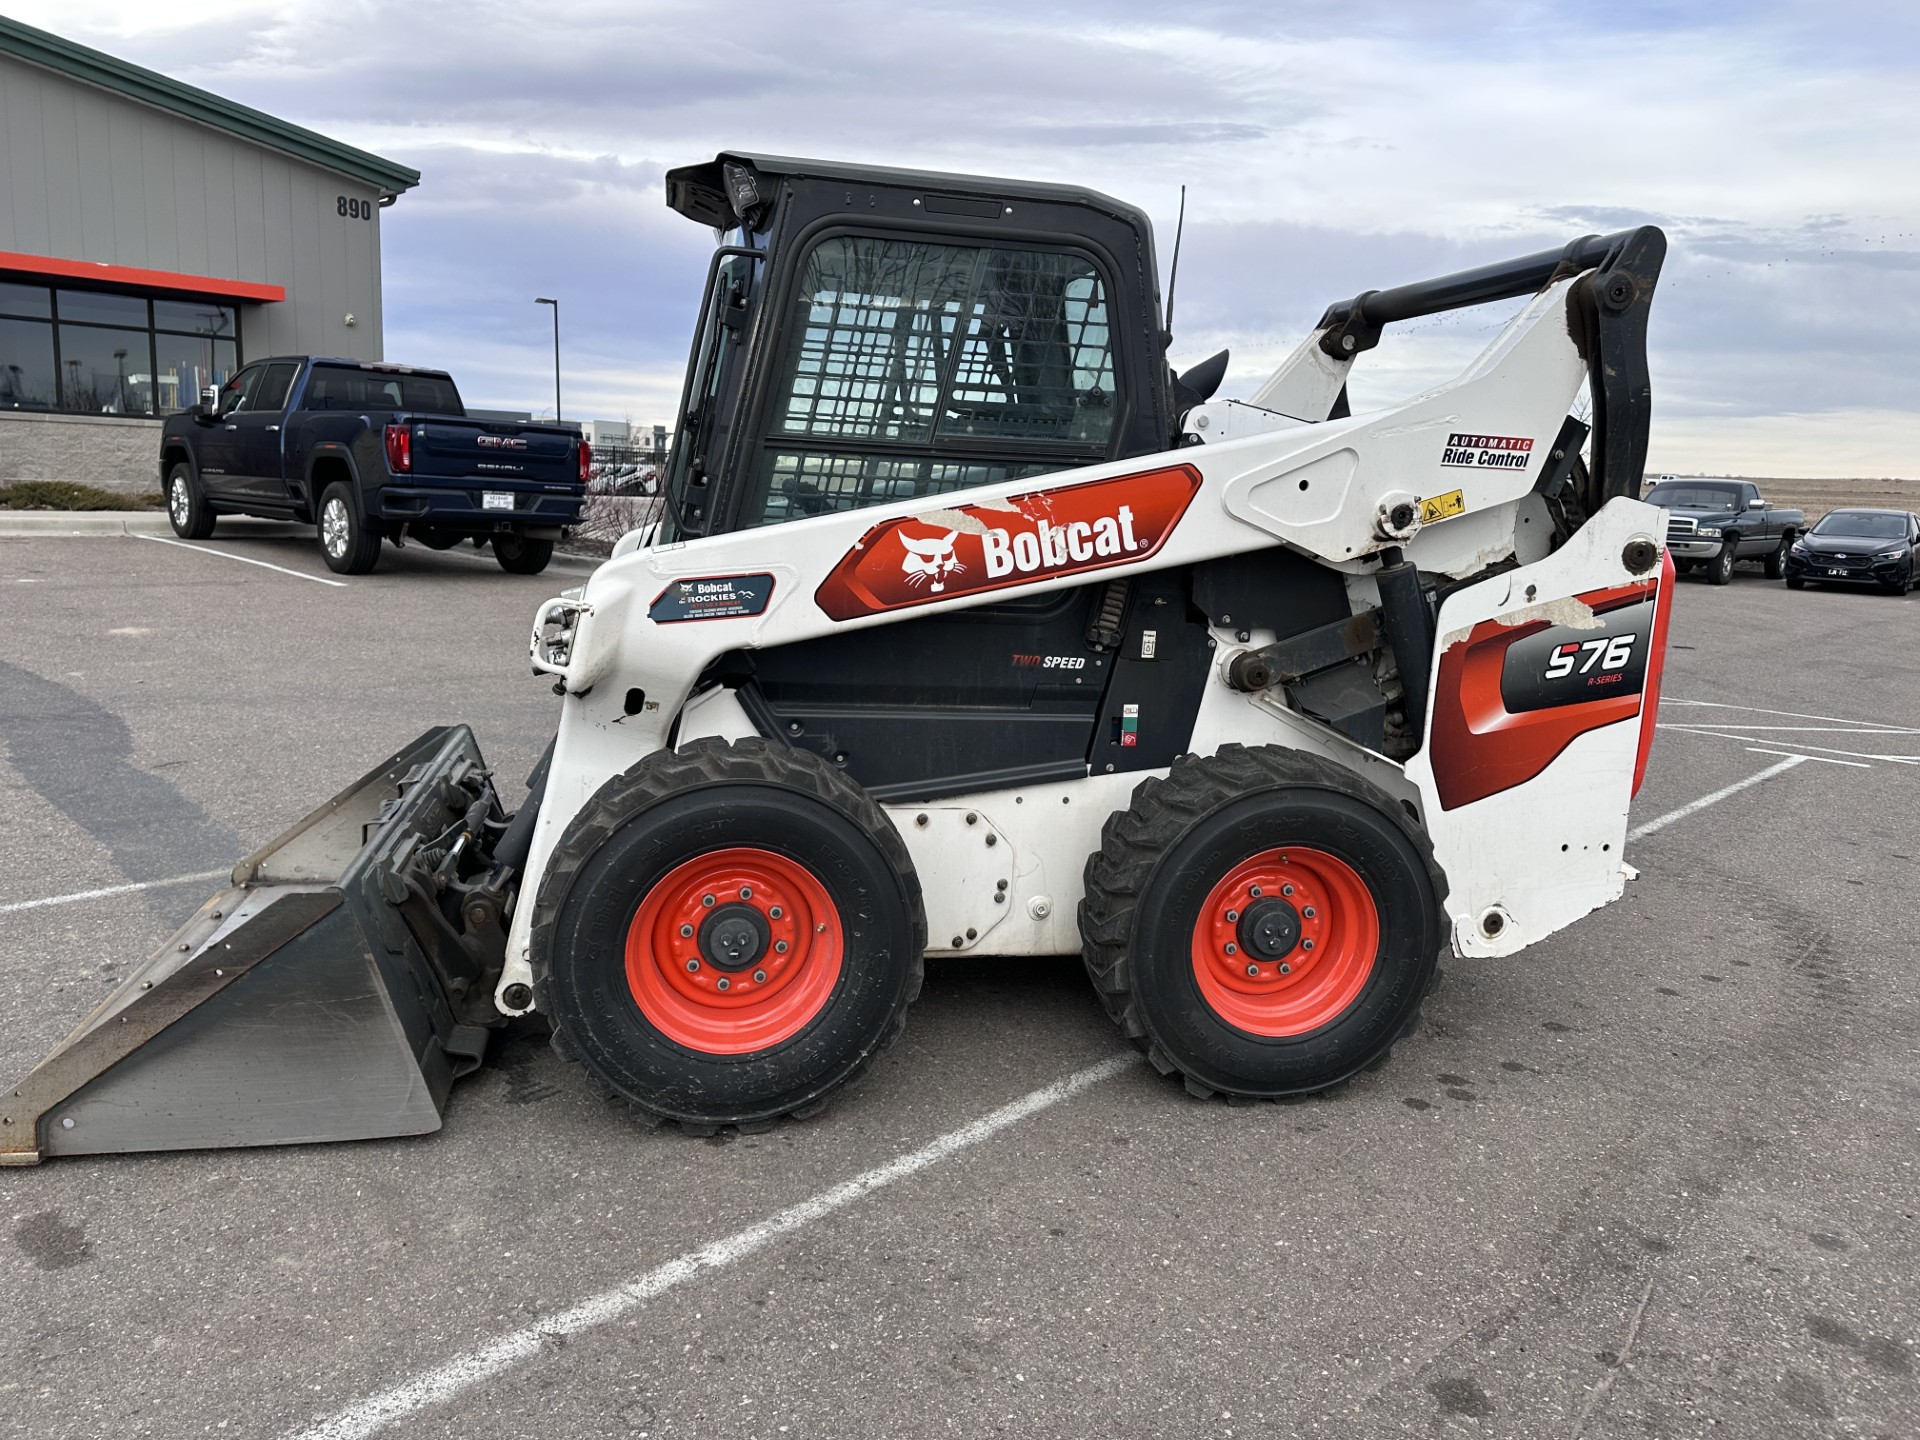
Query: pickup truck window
(271, 392)
(234, 394)
(337, 387)
(1697, 497)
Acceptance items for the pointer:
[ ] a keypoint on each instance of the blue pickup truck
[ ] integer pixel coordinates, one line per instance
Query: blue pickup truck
(366, 453)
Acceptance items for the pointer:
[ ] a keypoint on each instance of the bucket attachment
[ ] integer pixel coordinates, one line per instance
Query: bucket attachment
(334, 992)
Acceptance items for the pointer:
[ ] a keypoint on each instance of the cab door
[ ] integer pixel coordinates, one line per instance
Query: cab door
(255, 431)
(216, 447)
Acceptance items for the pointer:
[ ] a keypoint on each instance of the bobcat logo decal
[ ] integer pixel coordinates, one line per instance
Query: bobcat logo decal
(930, 560)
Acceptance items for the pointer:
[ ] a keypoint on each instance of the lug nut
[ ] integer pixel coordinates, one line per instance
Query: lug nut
(723, 983)
(707, 900)
(686, 931)
(746, 892)
(780, 947)
(1232, 949)
(1254, 971)
(693, 967)
(1232, 915)
(775, 913)
(1285, 969)
(1254, 891)
(759, 977)
(1308, 912)
(1286, 890)
(1306, 944)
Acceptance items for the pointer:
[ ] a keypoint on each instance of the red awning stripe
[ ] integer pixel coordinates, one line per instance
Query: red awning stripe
(46, 265)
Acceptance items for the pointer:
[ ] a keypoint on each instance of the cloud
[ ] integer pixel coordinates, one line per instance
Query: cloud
(1326, 149)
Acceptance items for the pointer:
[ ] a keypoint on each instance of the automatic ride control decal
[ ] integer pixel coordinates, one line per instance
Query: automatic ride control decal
(1488, 452)
(945, 554)
(711, 597)
(1513, 694)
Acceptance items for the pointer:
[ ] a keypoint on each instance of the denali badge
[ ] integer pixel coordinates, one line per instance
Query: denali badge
(998, 543)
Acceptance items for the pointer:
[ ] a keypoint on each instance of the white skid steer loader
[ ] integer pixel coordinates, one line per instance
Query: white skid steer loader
(969, 627)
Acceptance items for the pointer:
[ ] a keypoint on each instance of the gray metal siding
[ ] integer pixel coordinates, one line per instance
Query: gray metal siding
(86, 174)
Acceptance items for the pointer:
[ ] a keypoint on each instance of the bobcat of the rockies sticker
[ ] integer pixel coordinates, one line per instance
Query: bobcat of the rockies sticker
(945, 554)
(711, 597)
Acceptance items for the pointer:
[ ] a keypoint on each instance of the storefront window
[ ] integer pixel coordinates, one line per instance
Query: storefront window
(96, 352)
(26, 365)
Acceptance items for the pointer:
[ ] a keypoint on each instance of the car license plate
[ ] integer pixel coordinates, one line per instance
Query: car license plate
(496, 500)
(1836, 572)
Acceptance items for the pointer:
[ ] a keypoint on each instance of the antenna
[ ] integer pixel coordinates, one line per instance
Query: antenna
(1173, 275)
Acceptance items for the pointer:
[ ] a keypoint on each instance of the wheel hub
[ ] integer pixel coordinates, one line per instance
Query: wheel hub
(1269, 929)
(735, 937)
(734, 950)
(1285, 941)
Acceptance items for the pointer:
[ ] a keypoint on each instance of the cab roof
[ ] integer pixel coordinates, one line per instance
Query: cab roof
(700, 192)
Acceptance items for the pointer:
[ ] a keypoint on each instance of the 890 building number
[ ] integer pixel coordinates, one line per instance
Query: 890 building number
(352, 208)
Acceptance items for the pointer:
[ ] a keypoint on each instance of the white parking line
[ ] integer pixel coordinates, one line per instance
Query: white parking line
(463, 1372)
(1823, 749)
(1823, 759)
(1789, 714)
(13, 905)
(1640, 832)
(244, 560)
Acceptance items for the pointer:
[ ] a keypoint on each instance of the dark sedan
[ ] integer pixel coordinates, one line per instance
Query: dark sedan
(1858, 547)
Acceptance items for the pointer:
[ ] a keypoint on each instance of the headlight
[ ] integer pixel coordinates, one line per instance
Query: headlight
(1896, 553)
(1800, 547)
(1710, 532)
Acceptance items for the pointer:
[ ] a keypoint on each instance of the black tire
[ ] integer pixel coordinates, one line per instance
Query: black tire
(520, 555)
(1161, 859)
(1777, 557)
(1796, 582)
(187, 509)
(625, 848)
(1720, 568)
(349, 545)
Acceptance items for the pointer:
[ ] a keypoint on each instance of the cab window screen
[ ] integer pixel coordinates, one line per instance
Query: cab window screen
(906, 346)
(334, 387)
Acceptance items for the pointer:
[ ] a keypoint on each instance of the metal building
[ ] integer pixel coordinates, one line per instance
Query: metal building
(153, 237)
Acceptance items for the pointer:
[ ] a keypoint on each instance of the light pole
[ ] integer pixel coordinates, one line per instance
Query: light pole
(543, 300)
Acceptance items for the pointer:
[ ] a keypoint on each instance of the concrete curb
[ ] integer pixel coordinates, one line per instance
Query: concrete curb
(126, 522)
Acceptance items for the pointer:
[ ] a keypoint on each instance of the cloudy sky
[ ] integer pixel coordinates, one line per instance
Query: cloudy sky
(1326, 148)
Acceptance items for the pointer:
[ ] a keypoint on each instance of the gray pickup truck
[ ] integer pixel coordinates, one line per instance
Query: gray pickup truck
(1713, 524)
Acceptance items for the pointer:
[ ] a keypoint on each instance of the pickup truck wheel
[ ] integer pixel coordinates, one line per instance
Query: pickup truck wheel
(349, 545)
(519, 555)
(1777, 557)
(1720, 568)
(187, 509)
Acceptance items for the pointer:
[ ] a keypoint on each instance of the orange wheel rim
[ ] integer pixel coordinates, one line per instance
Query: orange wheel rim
(1285, 941)
(734, 950)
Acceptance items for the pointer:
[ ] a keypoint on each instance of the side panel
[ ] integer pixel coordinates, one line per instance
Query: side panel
(1538, 687)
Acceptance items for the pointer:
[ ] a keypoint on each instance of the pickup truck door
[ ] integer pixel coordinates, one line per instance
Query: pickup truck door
(255, 431)
(216, 444)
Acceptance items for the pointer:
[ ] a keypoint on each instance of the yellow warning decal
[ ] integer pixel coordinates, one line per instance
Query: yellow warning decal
(1440, 507)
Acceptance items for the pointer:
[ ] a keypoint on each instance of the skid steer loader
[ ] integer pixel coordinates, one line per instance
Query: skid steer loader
(971, 628)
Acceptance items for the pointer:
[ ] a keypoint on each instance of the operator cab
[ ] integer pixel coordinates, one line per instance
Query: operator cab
(871, 335)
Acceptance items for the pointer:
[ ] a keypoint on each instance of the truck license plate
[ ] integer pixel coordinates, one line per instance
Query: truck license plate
(496, 500)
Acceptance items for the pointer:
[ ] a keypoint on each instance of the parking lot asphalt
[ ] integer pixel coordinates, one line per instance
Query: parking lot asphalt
(1656, 1176)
